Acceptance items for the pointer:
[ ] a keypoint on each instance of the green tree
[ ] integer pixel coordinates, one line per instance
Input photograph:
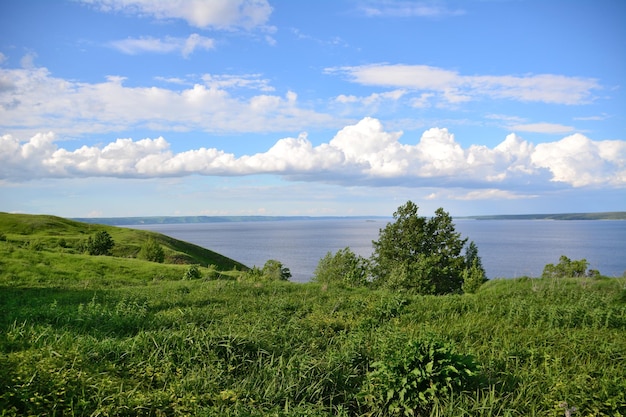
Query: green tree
(566, 268)
(100, 244)
(474, 274)
(152, 251)
(274, 270)
(419, 254)
(344, 268)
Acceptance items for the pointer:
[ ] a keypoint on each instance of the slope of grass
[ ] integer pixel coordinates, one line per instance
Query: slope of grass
(59, 235)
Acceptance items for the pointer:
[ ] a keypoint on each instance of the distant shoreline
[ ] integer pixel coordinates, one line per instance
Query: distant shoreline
(129, 221)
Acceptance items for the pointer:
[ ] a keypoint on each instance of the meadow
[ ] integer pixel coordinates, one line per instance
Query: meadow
(116, 335)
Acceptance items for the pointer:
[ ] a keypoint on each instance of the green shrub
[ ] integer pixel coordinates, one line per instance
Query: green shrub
(100, 244)
(192, 272)
(344, 267)
(411, 375)
(152, 251)
(566, 268)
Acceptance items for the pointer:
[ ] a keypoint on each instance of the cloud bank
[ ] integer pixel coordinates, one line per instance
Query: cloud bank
(359, 154)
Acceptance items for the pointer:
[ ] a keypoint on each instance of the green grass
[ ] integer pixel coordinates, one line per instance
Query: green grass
(93, 336)
(58, 235)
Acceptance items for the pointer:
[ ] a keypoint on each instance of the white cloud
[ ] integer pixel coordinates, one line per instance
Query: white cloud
(186, 47)
(217, 14)
(486, 194)
(542, 128)
(34, 100)
(579, 161)
(453, 87)
(359, 154)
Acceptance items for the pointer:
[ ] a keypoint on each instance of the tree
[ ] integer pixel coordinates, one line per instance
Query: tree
(100, 244)
(566, 268)
(474, 274)
(274, 270)
(419, 254)
(344, 268)
(152, 251)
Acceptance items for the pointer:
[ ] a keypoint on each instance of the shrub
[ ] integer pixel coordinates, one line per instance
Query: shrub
(411, 375)
(152, 251)
(100, 244)
(566, 268)
(274, 270)
(344, 267)
(192, 272)
(473, 277)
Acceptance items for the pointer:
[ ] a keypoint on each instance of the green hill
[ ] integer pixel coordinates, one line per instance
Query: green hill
(34, 245)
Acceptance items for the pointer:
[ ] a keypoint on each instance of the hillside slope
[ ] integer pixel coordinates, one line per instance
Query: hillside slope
(57, 234)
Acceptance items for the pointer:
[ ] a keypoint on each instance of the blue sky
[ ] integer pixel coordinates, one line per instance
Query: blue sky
(344, 107)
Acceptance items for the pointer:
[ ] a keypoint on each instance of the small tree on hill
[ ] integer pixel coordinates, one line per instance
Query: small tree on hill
(419, 254)
(152, 251)
(100, 244)
(474, 274)
(566, 268)
(344, 268)
(274, 270)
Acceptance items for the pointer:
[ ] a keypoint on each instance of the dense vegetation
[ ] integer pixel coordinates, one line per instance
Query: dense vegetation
(109, 335)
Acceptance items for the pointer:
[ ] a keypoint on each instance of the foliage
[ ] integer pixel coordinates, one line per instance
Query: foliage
(100, 244)
(419, 254)
(344, 268)
(274, 270)
(567, 268)
(192, 272)
(412, 374)
(152, 251)
(473, 277)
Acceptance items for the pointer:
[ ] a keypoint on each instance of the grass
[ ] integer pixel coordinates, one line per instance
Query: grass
(97, 336)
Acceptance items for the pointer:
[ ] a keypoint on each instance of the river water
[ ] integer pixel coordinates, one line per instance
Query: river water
(508, 248)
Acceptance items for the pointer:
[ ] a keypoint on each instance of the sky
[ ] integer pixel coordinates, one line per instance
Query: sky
(314, 107)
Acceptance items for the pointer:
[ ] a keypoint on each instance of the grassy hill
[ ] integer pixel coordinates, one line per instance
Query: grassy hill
(42, 245)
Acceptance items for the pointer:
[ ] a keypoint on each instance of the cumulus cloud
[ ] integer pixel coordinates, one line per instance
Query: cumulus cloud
(185, 46)
(33, 99)
(360, 154)
(452, 87)
(216, 14)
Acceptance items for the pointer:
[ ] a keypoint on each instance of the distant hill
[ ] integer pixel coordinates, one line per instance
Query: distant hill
(57, 233)
(610, 215)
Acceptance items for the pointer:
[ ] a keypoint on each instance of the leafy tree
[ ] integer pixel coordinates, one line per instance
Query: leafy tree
(419, 254)
(566, 268)
(344, 267)
(152, 251)
(100, 244)
(474, 274)
(274, 270)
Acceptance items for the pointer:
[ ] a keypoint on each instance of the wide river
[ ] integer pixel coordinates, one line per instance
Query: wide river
(508, 248)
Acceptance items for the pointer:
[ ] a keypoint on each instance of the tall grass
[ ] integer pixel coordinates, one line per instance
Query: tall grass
(233, 348)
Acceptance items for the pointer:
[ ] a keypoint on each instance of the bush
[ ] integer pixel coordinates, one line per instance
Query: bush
(566, 268)
(274, 270)
(152, 251)
(411, 375)
(100, 244)
(193, 272)
(344, 267)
